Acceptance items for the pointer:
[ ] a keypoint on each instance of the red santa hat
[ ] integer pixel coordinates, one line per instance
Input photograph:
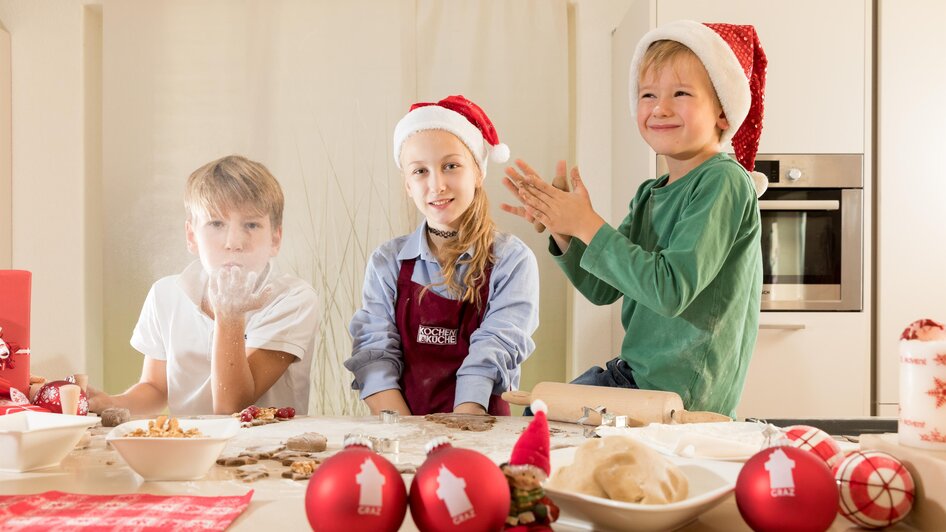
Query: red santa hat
(459, 116)
(532, 447)
(734, 59)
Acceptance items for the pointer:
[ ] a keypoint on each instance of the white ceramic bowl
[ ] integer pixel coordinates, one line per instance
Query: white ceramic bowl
(173, 458)
(710, 483)
(33, 440)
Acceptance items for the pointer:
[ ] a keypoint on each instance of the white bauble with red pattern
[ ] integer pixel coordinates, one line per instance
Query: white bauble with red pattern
(458, 490)
(816, 441)
(876, 489)
(48, 397)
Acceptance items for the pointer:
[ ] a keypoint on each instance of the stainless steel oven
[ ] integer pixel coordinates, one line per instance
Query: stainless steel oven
(812, 232)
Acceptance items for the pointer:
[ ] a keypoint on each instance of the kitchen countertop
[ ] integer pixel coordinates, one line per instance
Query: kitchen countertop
(278, 501)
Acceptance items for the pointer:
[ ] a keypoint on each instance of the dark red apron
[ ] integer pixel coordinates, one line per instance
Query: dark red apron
(435, 338)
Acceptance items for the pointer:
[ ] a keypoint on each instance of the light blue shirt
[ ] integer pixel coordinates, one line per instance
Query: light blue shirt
(497, 348)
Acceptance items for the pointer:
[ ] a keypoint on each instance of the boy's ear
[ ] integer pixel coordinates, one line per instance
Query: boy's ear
(722, 122)
(190, 237)
(277, 240)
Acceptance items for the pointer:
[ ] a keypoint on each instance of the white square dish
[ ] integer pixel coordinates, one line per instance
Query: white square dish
(34, 440)
(710, 483)
(173, 458)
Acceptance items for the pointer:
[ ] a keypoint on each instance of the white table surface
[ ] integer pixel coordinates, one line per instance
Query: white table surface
(278, 502)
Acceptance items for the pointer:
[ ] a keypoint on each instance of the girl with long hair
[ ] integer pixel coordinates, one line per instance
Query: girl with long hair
(449, 310)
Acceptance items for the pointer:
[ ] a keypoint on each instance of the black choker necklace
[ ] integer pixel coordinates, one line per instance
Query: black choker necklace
(442, 234)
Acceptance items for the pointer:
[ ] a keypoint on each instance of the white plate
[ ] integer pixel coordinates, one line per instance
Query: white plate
(34, 440)
(732, 441)
(174, 458)
(710, 483)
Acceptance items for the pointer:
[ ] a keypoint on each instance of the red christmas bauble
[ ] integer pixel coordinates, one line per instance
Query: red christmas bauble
(458, 490)
(876, 490)
(48, 397)
(356, 489)
(785, 488)
(815, 440)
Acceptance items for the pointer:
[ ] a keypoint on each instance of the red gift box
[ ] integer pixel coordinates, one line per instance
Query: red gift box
(15, 329)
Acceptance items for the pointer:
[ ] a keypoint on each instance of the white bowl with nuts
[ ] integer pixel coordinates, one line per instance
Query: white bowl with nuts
(170, 448)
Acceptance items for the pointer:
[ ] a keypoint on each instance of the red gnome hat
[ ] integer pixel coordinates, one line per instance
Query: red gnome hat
(532, 448)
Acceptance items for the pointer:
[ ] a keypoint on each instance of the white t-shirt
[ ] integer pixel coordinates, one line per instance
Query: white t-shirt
(172, 327)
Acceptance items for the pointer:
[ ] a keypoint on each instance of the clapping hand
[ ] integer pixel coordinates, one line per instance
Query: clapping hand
(564, 213)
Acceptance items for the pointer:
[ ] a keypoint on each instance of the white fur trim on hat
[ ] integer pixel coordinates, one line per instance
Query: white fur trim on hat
(437, 117)
(725, 72)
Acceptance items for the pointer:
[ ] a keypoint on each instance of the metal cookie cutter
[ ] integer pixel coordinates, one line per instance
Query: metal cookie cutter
(387, 445)
(390, 416)
(589, 430)
(613, 420)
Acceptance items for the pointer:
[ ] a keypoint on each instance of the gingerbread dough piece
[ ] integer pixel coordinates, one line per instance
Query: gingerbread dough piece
(471, 422)
(288, 457)
(310, 442)
(113, 417)
(250, 473)
(622, 469)
(301, 470)
(235, 461)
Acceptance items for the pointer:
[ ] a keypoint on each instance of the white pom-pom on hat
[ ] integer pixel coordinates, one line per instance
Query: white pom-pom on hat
(760, 181)
(539, 406)
(499, 153)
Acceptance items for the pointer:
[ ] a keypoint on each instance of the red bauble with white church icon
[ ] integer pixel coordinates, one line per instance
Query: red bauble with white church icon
(876, 489)
(786, 488)
(48, 397)
(356, 489)
(458, 490)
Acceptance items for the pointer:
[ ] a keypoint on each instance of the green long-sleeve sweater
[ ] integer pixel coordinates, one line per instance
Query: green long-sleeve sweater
(687, 261)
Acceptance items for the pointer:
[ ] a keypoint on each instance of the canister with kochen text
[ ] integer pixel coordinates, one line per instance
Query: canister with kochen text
(922, 419)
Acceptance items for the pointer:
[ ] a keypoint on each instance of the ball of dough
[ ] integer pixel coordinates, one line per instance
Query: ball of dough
(310, 442)
(622, 469)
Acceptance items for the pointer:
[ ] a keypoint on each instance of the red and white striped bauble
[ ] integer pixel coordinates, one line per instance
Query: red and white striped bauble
(876, 489)
(816, 441)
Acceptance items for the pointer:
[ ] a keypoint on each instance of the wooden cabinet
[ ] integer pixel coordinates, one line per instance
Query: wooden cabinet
(911, 185)
(808, 364)
(817, 51)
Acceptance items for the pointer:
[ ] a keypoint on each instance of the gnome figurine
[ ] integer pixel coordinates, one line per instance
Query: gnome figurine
(526, 471)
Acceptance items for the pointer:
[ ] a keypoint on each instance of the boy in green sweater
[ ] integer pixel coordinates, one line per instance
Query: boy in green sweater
(687, 257)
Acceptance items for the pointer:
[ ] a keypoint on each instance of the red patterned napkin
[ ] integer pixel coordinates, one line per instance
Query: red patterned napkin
(56, 510)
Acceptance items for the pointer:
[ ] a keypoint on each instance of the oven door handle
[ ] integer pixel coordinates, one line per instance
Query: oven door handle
(799, 205)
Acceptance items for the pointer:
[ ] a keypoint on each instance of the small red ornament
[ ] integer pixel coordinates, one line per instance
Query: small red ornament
(458, 490)
(48, 397)
(815, 440)
(876, 489)
(785, 488)
(356, 489)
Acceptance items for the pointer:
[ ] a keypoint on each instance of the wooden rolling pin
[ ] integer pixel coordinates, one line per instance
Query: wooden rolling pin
(566, 403)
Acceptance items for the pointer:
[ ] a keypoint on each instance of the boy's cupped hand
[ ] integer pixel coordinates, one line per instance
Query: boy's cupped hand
(562, 212)
(232, 292)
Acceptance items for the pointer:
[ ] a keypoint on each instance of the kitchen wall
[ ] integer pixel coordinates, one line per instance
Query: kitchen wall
(911, 137)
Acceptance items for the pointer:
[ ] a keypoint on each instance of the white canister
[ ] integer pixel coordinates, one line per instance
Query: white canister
(922, 420)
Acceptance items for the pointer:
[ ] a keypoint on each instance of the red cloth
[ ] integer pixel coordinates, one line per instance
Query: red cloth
(15, 328)
(57, 510)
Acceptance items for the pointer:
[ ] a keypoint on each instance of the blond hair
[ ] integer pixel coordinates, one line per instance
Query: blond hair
(234, 182)
(477, 230)
(664, 52)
